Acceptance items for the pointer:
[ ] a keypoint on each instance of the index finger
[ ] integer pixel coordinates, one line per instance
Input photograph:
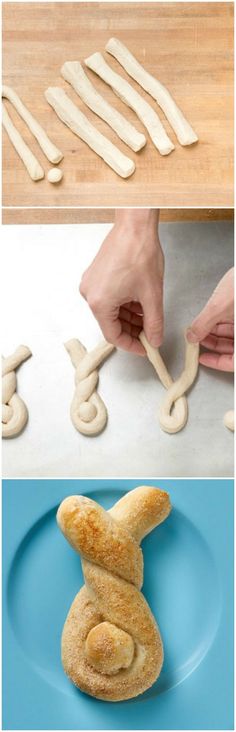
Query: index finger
(113, 332)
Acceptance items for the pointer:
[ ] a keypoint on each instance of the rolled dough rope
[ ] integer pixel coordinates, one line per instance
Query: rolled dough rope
(73, 72)
(14, 410)
(182, 128)
(88, 412)
(229, 420)
(50, 150)
(111, 644)
(180, 407)
(31, 163)
(168, 421)
(80, 125)
(125, 91)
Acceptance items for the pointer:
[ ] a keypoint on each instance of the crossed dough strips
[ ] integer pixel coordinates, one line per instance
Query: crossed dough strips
(173, 413)
(88, 411)
(14, 410)
(111, 644)
(31, 163)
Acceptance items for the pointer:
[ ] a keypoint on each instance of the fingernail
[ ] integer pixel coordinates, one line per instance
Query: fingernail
(155, 341)
(191, 337)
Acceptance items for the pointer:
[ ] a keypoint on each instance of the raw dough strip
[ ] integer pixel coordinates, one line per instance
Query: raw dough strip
(173, 412)
(229, 420)
(14, 410)
(168, 421)
(50, 150)
(125, 91)
(80, 125)
(111, 644)
(31, 163)
(88, 411)
(73, 72)
(180, 407)
(182, 128)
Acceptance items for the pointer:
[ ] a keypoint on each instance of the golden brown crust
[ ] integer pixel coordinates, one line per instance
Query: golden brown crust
(96, 536)
(125, 654)
(109, 648)
(141, 510)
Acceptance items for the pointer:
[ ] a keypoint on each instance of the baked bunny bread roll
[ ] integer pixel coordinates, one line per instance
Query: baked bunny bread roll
(111, 644)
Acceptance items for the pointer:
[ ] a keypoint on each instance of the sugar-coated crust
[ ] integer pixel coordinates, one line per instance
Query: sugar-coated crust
(112, 594)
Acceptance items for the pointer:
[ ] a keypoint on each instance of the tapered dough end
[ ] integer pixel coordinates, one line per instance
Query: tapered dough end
(37, 173)
(11, 363)
(166, 149)
(71, 66)
(229, 420)
(188, 139)
(25, 352)
(141, 144)
(128, 168)
(66, 513)
(110, 43)
(142, 509)
(94, 57)
(56, 158)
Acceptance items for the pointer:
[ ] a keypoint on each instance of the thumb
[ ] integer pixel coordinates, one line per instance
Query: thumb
(205, 322)
(219, 306)
(153, 318)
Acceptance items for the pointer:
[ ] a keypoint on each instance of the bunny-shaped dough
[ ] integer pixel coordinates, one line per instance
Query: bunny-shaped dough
(111, 645)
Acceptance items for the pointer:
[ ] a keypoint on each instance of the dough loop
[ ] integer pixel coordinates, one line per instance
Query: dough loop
(173, 413)
(14, 410)
(111, 645)
(88, 412)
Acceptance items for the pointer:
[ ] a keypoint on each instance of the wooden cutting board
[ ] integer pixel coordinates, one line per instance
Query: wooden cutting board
(188, 46)
(107, 215)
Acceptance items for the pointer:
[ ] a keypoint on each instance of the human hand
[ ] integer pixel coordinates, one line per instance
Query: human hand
(214, 326)
(124, 284)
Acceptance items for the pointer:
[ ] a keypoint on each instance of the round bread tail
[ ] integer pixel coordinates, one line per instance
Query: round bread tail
(111, 644)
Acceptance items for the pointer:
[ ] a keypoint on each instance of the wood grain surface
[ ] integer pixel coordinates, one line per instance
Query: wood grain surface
(188, 46)
(106, 215)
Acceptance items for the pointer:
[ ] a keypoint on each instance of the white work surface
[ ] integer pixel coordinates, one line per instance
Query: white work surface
(43, 308)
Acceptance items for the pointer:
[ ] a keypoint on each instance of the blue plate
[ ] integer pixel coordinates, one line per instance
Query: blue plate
(188, 563)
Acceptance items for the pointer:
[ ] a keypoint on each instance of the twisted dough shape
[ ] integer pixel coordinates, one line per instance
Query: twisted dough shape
(14, 410)
(173, 413)
(111, 645)
(88, 411)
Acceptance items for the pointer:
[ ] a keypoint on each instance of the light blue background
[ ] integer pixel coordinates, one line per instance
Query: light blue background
(188, 564)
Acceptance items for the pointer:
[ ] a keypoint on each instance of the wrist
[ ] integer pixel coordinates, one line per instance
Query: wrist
(137, 220)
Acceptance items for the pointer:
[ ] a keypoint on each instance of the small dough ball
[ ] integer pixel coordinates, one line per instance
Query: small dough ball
(109, 648)
(87, 411)
(54, 175)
